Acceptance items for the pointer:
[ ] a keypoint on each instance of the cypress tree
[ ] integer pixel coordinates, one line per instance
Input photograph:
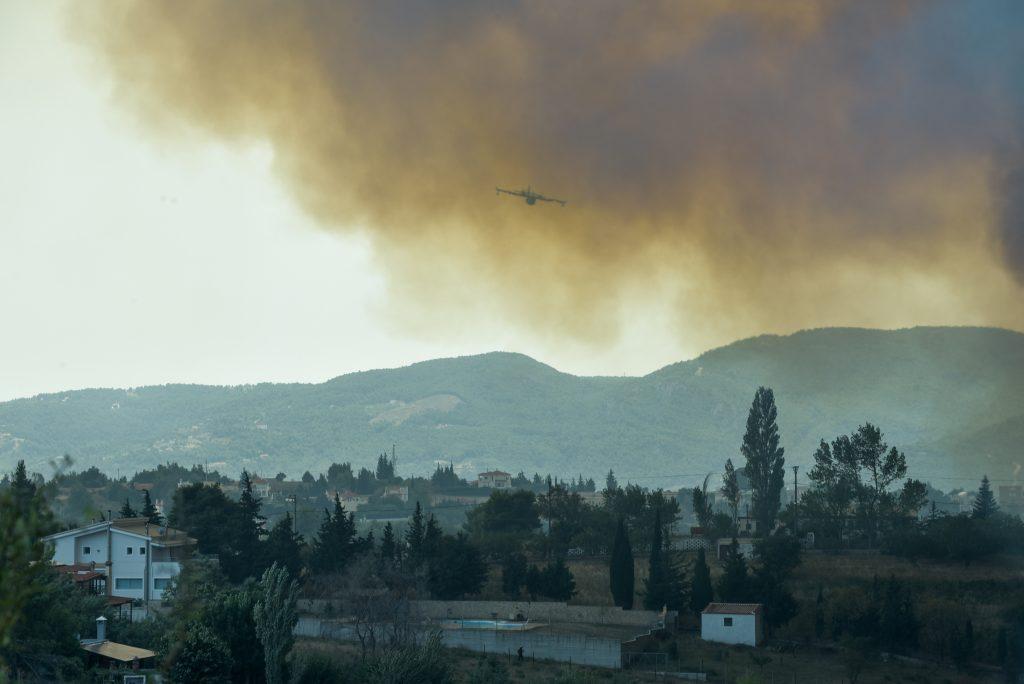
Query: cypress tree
(622, 581)
(414, 537)
(985, 502)
(765, 463)
(701, 591)
(431, 538)
(654, 584)
(149, 511)
(387, 544)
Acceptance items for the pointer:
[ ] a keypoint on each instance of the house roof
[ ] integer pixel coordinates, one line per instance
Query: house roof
(733, 608)
(116, 651)
(495, 473)
(138, 527)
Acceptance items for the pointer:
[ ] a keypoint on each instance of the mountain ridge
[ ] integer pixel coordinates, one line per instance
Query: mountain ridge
(926, 387)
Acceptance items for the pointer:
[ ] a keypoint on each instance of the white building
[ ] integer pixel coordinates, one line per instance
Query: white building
(733, 623)
(400, 491)
(137, 559)
(495, 479)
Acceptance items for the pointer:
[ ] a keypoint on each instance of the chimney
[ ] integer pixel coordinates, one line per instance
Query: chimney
(101, 628)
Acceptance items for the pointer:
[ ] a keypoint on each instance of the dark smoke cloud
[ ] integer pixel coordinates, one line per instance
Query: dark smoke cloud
(1012, 222)
(767, 165)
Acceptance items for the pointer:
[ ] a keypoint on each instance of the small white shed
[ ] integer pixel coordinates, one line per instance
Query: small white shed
(733, 623)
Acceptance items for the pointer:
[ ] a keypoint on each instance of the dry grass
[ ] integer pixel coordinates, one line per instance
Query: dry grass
(805, 664)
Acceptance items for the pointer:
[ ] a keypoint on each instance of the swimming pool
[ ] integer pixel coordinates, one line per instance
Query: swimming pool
(487, 624)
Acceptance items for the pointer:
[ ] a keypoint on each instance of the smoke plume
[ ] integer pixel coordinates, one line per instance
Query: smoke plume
(754, 166)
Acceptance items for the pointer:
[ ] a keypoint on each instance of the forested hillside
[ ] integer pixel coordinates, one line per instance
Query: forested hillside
(952, 398)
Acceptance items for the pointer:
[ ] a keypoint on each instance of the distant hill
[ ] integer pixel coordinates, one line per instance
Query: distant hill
(952, 398)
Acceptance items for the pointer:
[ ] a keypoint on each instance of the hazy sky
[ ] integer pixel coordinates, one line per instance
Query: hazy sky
(226, 193)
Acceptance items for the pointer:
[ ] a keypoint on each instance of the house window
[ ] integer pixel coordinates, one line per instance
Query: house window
(142, 550)
(85, 550)
(129, 550)
(128, 583)
(728, 622)
(161, 583)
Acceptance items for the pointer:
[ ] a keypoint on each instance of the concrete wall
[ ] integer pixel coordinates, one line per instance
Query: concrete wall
(576, 648)
(538, 611)
(542, 645)
(745, 629)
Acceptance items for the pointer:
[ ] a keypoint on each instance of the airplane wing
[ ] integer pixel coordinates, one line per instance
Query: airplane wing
(551, 199)
(517, 193)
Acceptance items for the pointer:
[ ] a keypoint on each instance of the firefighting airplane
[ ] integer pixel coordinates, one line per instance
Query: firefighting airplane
(529, 195)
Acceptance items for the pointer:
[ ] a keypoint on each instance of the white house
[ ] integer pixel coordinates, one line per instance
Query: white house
(137, 559)
(400, 491)
(733, 623)
(495, 479)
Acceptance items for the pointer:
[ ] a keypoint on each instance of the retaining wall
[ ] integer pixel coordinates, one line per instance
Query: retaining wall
(539, 611)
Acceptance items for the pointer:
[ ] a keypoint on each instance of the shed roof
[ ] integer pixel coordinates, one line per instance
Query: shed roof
(733, 608)
(116, 651)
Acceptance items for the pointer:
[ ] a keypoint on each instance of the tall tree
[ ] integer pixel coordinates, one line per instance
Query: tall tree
(621, 571)
(701, 591)
(734, 584)
(23, 488)
(284, 546)
(765, 463)
(431, 537)
(654, 583)
(458, 570)
(387, 544)
(731, 489)
(702, 504)
(882, 466)
(414, 537)
(149, 511)
(249, 529)
(513, 573)
(664, 585)
(336, 542)
(127, 511)
(985, 504)
(275, 615)
(385, 469)
(610, 483)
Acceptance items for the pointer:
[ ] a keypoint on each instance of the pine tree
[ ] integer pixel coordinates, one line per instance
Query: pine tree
(414, 537)
(336, 542)
(23, 488)
(284, 546)
(985, 503)
(734, 584)
(248, 530)
(621, 571)
(387, 544)
(149, 511)
(701, 591)
(431, 538)
(127, 511)
(765, 463)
